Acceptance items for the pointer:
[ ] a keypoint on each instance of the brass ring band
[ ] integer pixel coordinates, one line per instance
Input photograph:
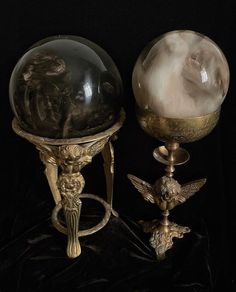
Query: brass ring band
(70, 141)
(91, 230)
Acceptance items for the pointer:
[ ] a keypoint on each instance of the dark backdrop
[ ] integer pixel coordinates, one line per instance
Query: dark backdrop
(122, 28)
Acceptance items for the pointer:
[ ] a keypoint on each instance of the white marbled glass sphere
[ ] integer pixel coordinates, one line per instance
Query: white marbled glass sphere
(181, 74)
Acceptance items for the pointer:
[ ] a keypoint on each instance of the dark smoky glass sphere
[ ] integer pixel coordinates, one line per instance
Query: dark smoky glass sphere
(65, 87)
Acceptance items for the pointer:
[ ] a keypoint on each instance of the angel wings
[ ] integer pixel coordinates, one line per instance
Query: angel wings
(150, 193)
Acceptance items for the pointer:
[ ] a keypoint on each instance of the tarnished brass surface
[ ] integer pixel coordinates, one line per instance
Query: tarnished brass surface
(57, 224)
(43, 140)
(181, 155)
(108, 158)
(162, 240)
(167, 193)
(177, 130)
(71, 155)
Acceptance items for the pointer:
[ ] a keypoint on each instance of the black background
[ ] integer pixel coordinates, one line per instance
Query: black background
(122, 28)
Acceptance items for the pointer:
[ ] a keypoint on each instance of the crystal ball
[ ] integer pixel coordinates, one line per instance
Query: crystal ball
(65, 87)
(181, 74)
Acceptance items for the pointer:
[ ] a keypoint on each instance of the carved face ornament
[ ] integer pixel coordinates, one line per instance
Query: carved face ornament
(167, 188)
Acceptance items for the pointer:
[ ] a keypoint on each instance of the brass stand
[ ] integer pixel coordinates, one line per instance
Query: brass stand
(71, 155)
(166, 193)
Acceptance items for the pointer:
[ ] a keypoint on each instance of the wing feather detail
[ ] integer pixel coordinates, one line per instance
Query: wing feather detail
(189, 189)
(97, 147)
(144, 188)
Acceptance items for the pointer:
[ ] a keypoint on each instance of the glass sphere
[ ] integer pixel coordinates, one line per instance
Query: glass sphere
(182, 74)
(65, 87)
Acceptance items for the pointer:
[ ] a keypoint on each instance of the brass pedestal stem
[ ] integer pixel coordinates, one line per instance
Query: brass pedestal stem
(162, 237)
(71, 155)
(167, 193)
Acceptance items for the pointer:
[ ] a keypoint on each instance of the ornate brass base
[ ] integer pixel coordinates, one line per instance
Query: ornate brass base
(162, 236)
(167, 193)
(71, 155)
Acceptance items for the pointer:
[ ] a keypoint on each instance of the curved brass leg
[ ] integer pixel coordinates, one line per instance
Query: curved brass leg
(72, 216)
(70, 186)
(51, 172)
(108, 157)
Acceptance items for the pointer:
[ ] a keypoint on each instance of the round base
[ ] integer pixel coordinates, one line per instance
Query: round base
(181, 155)
(108, 211)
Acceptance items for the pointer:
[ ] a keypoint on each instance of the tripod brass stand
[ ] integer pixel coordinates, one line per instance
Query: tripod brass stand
(71, 155)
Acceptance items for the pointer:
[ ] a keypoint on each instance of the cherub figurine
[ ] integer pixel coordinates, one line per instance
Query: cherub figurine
(167, 193)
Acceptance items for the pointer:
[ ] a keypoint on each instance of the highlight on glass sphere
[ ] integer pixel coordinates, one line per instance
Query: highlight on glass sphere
(65, 87)
(182, 74)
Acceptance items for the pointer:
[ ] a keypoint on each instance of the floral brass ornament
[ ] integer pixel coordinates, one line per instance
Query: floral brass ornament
(71, 155)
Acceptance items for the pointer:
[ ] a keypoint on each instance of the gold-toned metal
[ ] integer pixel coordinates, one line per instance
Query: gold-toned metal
(177, 130)
(162, 240)
(108, 157)
(161, 155)
(167, 193)
(51, 172)
(71, 155)
(108, 209)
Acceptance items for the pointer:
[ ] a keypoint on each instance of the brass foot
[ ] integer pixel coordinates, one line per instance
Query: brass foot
(162, 236)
